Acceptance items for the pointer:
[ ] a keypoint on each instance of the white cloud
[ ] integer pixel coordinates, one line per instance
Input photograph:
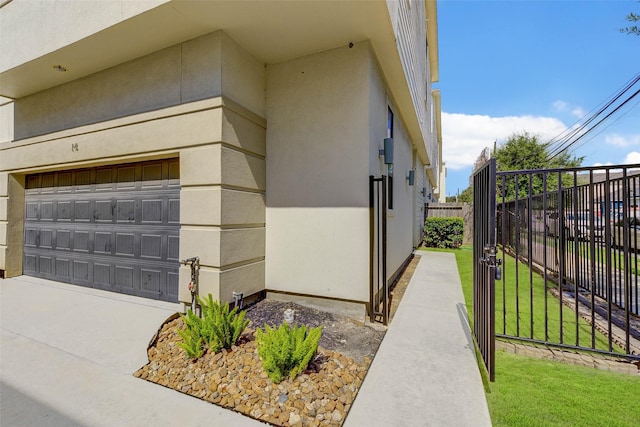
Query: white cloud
(632, 158)
(618, 140)
(465, 136)
(560, 106)
(579, 112)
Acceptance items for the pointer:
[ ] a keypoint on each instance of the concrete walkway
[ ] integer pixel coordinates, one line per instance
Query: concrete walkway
(425, 371)
(67, 354)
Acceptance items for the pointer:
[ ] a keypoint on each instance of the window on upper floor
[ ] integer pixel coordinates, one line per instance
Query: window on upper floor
(390, 167)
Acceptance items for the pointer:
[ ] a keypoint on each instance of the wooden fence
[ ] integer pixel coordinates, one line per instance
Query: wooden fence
(450, 210)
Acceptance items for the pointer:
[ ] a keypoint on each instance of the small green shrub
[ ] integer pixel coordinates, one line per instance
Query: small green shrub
(221, 327)
(192, 341)
(287, 351)
(443, 232)
(217, 329)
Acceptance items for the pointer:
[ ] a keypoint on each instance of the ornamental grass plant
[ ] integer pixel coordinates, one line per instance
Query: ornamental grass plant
(287, 351)
(218, 328)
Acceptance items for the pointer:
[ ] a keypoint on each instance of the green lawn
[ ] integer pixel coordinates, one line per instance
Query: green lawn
(532, 392)
(560, 324)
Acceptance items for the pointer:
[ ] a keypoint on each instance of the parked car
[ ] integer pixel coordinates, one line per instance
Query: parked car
(573, 223)
(618, 230)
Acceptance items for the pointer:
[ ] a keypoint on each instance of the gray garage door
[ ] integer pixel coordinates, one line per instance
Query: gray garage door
(114, 228)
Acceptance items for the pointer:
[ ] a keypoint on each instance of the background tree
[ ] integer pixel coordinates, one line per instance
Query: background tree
(632, 18)
(525, 152)
(466, 196)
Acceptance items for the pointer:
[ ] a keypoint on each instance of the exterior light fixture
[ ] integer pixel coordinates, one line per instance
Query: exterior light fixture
(387, 151)
(424, 191)
(412, 177)
(60, 68)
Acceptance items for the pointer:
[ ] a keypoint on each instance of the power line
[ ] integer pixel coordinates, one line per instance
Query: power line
(607, 126)
(612, 98)
(569, 137)
(570, 144)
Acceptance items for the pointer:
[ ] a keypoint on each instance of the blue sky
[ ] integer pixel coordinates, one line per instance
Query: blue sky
(535, 66)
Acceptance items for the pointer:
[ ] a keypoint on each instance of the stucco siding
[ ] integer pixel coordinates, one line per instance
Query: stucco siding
(317, 174)
(134, 112)
(182, 73)
(33, 28)
(318, 251)
(400, 219)
(401, 231)
(6, 120)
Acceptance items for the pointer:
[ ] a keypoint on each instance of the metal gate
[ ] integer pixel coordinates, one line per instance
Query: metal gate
(485, 265)
(569, 244)
(379, 288)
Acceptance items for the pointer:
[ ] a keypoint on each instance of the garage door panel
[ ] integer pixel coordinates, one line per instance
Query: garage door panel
(65, 182)
(126, 211)
(63, 268)
(82, 209)
(113, 228)
(172, 285)
(45, 239)
(151, 246)
(47, 183)
(152, 211)
(31, 237)
(31, 211)
(64, 211)
(173, 248)
(82, 180)
(102, 242)
(174, 211)
(81, 271)
(30, 264)
(152, 176)
(63, 240)
(46, 211)
(124, 276)
(126, 177)
(102, 274)
(150, 281)
(45, 265)
(81, 241)
(103, 211)
(125, 244)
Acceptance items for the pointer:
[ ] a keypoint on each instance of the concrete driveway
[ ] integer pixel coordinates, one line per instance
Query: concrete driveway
(67, 355)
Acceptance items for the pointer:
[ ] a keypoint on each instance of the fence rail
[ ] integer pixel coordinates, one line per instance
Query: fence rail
(570, 241)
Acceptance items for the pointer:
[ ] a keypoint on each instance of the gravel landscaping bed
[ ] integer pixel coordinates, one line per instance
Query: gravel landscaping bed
(234, 378)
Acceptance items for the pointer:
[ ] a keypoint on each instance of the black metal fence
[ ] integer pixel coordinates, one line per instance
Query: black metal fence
(484, 269)
(378, 287)
(570, 241)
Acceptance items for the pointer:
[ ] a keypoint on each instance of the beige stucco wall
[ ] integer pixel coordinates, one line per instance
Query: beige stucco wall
(176, 113)
(6, 119)
(179, 74)
(317, 174)
(327, 118)
(34, 28)
(400, 219)
(401, 230)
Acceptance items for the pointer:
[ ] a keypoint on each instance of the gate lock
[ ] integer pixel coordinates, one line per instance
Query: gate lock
(492, 261)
